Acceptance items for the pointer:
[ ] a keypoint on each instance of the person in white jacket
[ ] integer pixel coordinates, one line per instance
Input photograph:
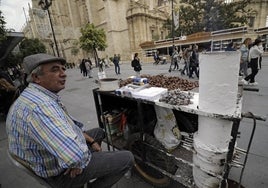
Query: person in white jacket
(255, 53)
(244, 57)
(88, 65)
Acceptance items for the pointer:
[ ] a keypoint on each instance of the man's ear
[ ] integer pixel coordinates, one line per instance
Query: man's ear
(35, 78)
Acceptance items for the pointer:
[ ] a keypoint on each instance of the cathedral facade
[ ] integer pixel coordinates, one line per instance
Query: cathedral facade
(127, 23)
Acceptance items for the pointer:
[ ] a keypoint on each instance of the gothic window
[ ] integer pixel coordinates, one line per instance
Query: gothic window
(152, 32)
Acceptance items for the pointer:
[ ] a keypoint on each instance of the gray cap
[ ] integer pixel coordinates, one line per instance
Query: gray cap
(32, 61)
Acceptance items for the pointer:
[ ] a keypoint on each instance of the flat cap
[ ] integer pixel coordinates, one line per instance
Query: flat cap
(32, 61)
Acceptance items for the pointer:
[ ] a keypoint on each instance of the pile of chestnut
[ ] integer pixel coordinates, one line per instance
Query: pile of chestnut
(177, 97)
(169, 82)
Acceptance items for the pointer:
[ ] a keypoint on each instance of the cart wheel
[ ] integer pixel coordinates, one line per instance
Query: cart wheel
(233, 184)
(142, 150)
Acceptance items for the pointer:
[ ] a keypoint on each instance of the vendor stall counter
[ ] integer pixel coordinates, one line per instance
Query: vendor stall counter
(129, 123)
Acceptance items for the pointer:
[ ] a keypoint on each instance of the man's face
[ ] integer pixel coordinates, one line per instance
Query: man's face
(53, 77)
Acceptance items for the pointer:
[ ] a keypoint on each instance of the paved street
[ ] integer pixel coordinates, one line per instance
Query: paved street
(79, 101)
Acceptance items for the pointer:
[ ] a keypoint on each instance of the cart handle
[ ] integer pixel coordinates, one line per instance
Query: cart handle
(253, 116)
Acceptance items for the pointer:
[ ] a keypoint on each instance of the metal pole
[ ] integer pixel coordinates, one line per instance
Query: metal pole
(45, 4)
(172, 11)
(53, 33)
(231, 147)
(172, 32)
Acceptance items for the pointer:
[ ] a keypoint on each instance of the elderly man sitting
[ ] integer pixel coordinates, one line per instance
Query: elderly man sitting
(50, 141)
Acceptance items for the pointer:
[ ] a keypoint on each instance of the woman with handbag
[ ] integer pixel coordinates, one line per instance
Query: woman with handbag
(136, 64)
(255, 53)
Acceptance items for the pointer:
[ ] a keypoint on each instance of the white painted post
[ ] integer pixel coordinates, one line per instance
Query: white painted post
(218, 86)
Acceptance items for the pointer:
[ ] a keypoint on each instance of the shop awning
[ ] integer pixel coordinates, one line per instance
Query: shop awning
(13, 38)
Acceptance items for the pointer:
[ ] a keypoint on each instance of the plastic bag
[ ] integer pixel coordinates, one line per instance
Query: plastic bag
(166, 130)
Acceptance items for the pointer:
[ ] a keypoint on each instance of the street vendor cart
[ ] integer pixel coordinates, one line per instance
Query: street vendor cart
(206, 149)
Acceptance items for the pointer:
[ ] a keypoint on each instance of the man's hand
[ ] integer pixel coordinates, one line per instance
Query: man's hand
(73, 172)
(96, 147)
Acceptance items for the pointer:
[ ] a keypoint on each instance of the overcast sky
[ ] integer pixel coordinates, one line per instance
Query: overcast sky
(13, 13)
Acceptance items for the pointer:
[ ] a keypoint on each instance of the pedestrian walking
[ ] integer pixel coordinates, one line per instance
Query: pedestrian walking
(244, 49)
(135, 63)
(83, 67)
(175, 56)
(186, 56)
(116, 64)
(156, 58)
(255, 53)
(88, 65)
(101, 73)
(194, 62)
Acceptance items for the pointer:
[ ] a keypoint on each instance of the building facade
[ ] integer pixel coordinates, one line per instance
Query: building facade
(218, 40)
(128, 24)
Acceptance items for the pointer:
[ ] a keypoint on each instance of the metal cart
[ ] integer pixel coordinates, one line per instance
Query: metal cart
(154, 163)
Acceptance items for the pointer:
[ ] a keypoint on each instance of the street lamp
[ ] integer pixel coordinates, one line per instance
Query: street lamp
(45, 4)
(172, 32)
